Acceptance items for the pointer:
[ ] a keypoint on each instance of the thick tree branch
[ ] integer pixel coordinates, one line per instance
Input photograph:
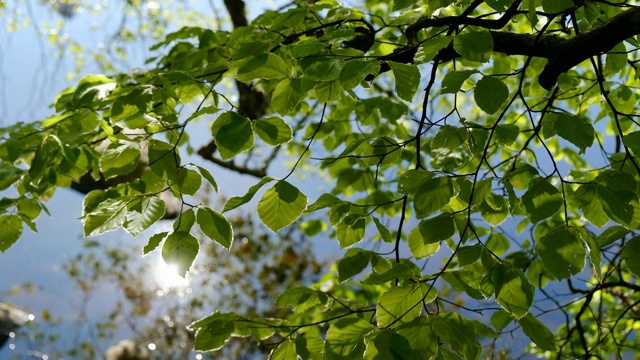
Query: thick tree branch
(563, 54)
(591, 43)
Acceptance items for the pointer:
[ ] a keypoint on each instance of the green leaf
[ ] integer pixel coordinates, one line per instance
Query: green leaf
(399, 305)
(153, 242)
(180, 250)
(421, 336)
(500, 319)
(163, 158)
(449, 137)
(616, 59)
(556, 6)
(411, 181)
(459, 333)
(386, 344)
(632, 141)
(469, 254)
(397, 271)
(575, 129)
(264, 66)
(11, 230)
(588, 200)
(215, 226)
(631, 255)
(352, 263)
(350, 230)
(207, 175)
(272, 130)
(538, 333)
(324, 201)
(428, 49)
(143, 213)
(419, 247)
(281, 205)
(355, 71)
(109, 215)
(512, 288)
(541, 201)
(611, 235)
(490, 93)
(432, 195)
(233, 134)
(310, 347)
(474, 45)
(328, 90)
(407, 79)
(437, 228)
(213, 331)
(29, 208)
(120, 158)
(286, 96)
(237, 201)
(562, 252)
(187, 181)
(301, 298)
(453, 81)
(286, 350)
(324, 70)
(385, 234)
(345, 339)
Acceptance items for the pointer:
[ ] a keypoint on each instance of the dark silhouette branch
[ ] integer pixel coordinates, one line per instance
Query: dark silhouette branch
(563, 54)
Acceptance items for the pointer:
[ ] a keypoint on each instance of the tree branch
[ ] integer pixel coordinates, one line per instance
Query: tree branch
(563, 54)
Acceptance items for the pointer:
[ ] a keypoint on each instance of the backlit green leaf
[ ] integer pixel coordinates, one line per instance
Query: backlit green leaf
(153, 242)
(281, 205)
(345, 339)
(428, 49)
(109, 215)
(490, 93)
(453, 80)
(143, 213)
(264, 66)
(631, 255)
(432, 195)
(437, 228)
(236, 201)
(399, 305)
(352, 263)
(537, 332)
(474, 45)
(286, 350)
(215, 226)
(512, 288)
(459, 333)
(11, 230)
(556, 6)
(213, 331)
(386, 344)
(272, 130)
(422, 338)
(286, 96)
(407, 79)
(351, 230)
(575, 129)
(180, 250)
(187, 181)
(500, 319)
(233, 133)
(541, 201)
(562, 252)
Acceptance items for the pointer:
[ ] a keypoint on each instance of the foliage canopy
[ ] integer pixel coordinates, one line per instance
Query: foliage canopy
(499, 136)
